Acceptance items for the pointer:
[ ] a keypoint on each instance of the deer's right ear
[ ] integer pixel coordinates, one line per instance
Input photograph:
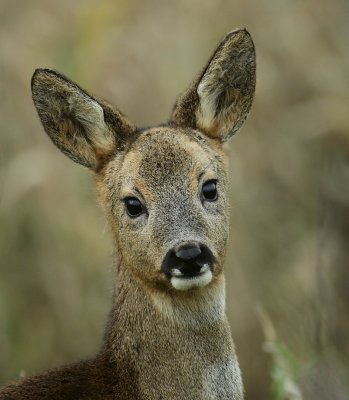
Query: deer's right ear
(218, 102)
(86, 130)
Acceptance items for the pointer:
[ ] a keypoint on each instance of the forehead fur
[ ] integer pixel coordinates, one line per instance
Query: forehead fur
(163, 155)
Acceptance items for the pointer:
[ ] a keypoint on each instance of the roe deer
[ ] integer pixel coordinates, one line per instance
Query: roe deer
(164, 193)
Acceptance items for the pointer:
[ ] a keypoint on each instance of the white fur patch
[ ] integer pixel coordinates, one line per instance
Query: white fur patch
(185, 283)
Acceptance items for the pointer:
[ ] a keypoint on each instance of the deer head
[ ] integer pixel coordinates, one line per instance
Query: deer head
(163, 188)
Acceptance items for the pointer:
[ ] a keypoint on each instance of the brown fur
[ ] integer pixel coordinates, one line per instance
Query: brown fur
(161, 342)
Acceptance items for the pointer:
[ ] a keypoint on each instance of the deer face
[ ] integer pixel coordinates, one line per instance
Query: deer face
(164, 188)
(167, 206)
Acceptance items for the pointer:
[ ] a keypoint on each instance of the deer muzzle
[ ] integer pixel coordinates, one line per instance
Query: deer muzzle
(188, 265)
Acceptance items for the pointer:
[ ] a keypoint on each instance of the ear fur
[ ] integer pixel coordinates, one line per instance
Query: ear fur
(219, 100)
(84, 129)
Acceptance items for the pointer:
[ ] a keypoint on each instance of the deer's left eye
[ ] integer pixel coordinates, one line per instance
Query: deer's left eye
(209, 190)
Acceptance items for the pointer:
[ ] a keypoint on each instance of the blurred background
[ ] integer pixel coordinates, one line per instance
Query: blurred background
(287, 266)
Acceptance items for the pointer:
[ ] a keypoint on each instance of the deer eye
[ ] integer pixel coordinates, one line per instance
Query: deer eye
(133, 206)
(209, 190)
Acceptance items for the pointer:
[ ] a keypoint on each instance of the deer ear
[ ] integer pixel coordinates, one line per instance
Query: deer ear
(219, 101)
(83, 128)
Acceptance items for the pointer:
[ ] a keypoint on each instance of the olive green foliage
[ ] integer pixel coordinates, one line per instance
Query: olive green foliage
(289, 180)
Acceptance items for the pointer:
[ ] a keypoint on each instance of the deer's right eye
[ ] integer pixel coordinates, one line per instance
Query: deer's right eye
(134, 207)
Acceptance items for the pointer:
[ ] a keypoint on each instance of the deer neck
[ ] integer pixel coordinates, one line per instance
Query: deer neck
(142, 314)
(152, 334)
(194, 309)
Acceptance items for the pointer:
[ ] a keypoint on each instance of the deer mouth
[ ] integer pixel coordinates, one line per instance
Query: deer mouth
(182, 281)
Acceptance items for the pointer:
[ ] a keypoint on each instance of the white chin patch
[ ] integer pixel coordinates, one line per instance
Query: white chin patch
(186, 283)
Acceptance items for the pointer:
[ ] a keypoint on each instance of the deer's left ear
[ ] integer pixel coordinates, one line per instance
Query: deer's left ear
(218, 102)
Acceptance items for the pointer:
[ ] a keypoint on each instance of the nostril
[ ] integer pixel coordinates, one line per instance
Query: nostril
(187, 251)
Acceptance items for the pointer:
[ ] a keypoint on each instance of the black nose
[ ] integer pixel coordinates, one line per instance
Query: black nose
(187, 259)
(187, 251)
